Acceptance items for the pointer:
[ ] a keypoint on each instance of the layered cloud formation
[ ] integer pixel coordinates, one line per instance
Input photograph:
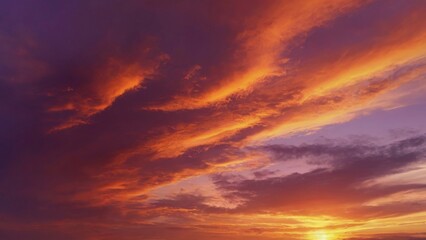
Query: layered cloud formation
(212, 120)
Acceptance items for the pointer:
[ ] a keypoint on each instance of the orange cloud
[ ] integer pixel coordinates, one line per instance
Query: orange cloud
(261, 41)
(341, 105)
(110, 80)
(281, 68)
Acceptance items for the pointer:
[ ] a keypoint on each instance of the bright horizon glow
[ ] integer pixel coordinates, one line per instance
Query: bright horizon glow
(321, 235)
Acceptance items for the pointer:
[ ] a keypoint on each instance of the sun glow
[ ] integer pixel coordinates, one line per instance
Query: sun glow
(321, 235)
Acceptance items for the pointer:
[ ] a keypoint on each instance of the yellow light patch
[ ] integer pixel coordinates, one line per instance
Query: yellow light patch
(321, 235)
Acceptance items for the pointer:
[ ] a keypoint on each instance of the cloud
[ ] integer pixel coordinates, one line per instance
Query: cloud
(108, 81)
(259, 43)
(335, 190)
(147, 100)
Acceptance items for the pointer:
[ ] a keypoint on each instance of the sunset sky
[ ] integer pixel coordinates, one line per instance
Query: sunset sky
(212, 120)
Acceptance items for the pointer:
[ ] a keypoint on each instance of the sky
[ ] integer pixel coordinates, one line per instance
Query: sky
(205, 120)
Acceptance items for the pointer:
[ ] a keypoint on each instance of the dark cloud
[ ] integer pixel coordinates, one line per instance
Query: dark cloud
(185, 201)
(335, 190)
